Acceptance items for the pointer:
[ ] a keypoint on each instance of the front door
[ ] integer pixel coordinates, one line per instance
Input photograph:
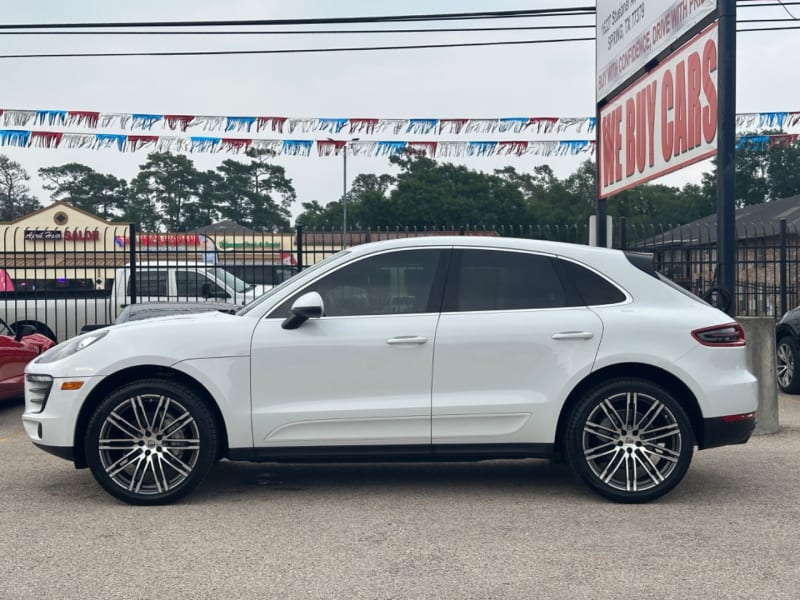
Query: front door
(361, 374)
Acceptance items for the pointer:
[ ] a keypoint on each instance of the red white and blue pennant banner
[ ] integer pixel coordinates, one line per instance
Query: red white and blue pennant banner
(291, 125)
(24, 138)
(348, 126)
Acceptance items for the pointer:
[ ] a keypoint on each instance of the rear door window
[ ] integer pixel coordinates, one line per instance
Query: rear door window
(502, 280)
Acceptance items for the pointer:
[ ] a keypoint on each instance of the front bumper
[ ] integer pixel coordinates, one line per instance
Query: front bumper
(52, 426)
(65, 452)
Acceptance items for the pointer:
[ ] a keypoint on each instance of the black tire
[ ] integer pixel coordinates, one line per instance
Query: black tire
(786, 363)
(160, 442)
(629, 440)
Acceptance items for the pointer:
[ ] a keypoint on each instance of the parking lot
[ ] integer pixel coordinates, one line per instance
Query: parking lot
(503, 529)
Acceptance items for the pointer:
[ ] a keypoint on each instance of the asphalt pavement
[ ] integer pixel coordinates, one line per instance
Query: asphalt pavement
(498, 529)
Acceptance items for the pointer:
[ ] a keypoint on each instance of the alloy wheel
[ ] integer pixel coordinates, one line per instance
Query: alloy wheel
(149, 444)
(785, 365)
(632, 441)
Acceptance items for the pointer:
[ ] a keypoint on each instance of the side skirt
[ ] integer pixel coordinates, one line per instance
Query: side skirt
(420, 453)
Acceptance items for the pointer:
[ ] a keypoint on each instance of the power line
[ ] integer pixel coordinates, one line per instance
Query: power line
(760, 4)
(292, 50)
(506, 14)
(317, 31)
(788, 12)
(339, 49)
(783, 28)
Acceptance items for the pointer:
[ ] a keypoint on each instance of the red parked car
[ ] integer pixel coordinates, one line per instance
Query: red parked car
(16, 350)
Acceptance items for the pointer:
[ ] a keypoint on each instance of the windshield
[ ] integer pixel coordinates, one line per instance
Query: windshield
(301, 275)
(231, 281)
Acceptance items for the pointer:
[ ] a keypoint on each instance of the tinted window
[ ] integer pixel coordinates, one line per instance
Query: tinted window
(501, 280)
(591, 288)
(190, 284)
(398, 282)
(150, 283)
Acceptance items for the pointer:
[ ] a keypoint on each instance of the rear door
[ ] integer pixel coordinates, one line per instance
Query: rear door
(511, 343)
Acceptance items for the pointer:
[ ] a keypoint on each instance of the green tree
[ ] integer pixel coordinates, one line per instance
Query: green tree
(257, 194)
(15, 195)
(83, 187)
(429, 193)
(318, 217)
(783, 171)
(368, 202)
(168, 183)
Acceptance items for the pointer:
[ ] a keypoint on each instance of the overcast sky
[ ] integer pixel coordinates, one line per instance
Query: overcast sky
(506, 81)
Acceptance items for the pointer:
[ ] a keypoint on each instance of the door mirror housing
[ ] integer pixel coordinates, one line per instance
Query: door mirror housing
(308, 306)
(22, 330)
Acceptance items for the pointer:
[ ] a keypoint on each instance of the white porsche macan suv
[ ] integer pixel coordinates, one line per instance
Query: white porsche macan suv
(415, 349)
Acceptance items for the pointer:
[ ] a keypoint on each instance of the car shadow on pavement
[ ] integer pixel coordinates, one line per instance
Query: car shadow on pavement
(396, 479)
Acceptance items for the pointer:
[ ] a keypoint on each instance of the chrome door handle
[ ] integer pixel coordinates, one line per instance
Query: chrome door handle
(573, 335)
(407, 340)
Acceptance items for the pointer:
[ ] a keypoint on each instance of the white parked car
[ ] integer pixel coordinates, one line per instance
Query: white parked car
(419, 349)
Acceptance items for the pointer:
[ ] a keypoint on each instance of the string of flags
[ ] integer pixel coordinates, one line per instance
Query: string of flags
(23, 138)
(290, 125)
(348, 126)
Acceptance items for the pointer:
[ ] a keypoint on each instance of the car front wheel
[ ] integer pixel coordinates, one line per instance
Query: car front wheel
(151, 442)
(786, 363)
(630, 440)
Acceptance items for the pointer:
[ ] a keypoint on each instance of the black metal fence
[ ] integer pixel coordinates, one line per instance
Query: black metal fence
(767, 255)
(60, 281)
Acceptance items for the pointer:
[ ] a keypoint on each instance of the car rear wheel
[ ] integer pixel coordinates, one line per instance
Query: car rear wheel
(151, 442)
(630, 440)
(786, 363)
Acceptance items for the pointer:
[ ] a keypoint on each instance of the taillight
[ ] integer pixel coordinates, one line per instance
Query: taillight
(728, 335)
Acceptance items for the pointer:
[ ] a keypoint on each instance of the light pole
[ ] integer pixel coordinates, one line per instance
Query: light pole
(345, 234)
(344, 197)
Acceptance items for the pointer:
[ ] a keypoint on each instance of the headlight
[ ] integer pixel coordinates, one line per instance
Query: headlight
(71, 347)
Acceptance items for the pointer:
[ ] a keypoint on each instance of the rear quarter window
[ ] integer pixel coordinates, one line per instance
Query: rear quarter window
(592, 289)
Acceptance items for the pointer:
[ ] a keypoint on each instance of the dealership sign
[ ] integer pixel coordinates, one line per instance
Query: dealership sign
(665, 121)
(630, 33)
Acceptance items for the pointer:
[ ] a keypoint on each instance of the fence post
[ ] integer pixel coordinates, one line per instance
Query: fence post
(132, 260)
(783, 274)
(299, 237)
(623, 233)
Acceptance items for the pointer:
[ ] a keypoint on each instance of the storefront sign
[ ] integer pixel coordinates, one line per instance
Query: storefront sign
(665, 121)
(69, 235)
(246, 244)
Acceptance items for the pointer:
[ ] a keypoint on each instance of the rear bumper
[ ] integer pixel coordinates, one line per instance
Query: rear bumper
(724, 431)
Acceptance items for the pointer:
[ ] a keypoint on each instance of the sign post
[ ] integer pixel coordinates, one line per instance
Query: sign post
(726, 155)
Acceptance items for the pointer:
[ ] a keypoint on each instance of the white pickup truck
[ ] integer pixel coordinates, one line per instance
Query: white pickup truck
(63, 317)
